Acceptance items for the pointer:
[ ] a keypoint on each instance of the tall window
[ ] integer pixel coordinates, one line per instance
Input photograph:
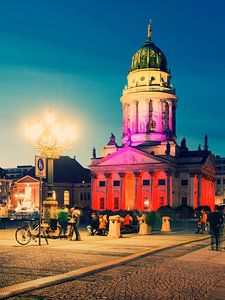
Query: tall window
(116, 183)
(102, 203)
(161, 182)
(101, 183)
(66, 198)
(184, 182)
(161, 201)
(184, 201)
(116, 203)
(146, 182)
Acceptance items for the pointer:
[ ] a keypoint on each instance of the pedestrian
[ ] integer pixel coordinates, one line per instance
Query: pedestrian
(94, 225)
(216, 224)
(74, 222)
(63, 220)
(127, 221)
(103, 223)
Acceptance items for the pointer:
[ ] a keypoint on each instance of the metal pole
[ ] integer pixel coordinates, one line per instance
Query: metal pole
(40, 208)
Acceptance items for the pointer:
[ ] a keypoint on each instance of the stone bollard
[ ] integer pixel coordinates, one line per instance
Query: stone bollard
(165, 224)
(114, 226)
(144, 227)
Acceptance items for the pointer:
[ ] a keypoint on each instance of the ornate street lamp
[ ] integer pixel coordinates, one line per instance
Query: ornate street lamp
(50, 138)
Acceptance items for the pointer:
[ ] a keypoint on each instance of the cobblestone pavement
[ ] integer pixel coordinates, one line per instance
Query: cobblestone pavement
(158, 276)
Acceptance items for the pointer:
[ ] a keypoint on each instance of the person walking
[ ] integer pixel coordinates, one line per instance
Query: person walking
(63, 220)
(216, 223)
(75, 224)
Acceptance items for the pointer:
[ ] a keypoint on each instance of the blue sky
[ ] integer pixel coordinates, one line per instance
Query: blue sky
(73, 56)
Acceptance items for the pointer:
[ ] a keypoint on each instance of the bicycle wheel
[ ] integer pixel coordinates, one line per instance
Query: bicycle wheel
(23, 236)
(54, 234)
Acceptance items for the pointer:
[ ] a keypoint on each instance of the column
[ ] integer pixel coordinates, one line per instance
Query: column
(199, 188)
(168, 176)
(107, 192)
(136, 174)
(191, 190)
(94, 205)
(151, 173)
(170, 116)
(122, 175)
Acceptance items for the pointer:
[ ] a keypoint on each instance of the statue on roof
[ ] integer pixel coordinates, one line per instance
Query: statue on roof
(199, 147)
(183, 145)
(112, 140)
(167, 152)
(94, 153)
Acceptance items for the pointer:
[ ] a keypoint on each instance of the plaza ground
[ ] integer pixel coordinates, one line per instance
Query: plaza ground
(189, 272)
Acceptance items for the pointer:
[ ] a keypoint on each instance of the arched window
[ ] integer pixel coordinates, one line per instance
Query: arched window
(66, 197)
(54, 195)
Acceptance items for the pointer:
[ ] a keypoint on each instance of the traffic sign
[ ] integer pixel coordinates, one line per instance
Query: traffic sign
(40, 166)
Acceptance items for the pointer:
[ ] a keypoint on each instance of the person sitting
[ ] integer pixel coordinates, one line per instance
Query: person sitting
(103, 223)
(94, 225)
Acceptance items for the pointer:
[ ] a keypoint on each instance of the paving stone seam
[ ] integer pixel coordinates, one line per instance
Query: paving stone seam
(20, 288)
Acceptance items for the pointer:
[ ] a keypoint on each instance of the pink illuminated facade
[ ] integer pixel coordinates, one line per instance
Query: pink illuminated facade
(150, 169)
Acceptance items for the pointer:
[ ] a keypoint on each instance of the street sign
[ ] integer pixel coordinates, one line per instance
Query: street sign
(40, 166)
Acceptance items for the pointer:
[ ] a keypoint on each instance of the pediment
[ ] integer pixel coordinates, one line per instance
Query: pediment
(128, 156)
(210, 162)
(27, 179)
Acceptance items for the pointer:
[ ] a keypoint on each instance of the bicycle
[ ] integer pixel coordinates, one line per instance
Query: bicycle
(28, 231)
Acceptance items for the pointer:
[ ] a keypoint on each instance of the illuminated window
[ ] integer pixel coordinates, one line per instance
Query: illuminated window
(101, 183)
(146, 182)
(116, 203)
(184, 182)
(66, 197)
(102, 203)
(54, 195)
(146, 203)
(116, 183)
(161, 182)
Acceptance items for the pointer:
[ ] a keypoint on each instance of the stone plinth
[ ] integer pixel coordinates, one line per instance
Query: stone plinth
(114, 226)
(165, 224)
(144, 227)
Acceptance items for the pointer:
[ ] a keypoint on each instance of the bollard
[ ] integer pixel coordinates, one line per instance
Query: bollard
(114, 226)
(165, 224)
(144, 227)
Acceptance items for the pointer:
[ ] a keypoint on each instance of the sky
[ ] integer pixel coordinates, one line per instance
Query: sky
(73, 57)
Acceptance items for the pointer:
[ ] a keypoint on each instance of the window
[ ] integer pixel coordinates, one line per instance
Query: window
(116, 183)
(161, 182)
(146, 203)
(161, 201)
(101, 183)
(116, 203)
(102, 203)
(184, 182)
(184, 201)
(223, 181)
(219, 168)
(146, 182)
(218, 181)
(81, 196)
(66, 197)
(88, 196)
(85, 196)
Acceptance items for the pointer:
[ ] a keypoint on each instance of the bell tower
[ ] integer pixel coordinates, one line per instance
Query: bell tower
(149, 99)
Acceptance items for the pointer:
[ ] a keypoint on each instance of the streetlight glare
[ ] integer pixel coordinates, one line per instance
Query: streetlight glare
(49, 136)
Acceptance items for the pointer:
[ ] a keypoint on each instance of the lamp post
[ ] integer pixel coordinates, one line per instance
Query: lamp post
(50, 138)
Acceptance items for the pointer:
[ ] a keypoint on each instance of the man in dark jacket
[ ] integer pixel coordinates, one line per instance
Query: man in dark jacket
(216, 224)
(94, 225)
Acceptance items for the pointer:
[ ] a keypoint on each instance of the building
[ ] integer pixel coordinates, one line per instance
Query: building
(18, 172)
(150, 169)
(71, 186)
(220, 181)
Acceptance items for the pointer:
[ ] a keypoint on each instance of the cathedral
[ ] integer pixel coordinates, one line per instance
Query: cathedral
(150, 169)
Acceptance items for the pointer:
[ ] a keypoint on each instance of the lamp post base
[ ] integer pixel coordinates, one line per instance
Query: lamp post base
(50, 209)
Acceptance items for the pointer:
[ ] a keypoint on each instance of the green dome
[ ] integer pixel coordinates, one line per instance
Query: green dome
(149, 56)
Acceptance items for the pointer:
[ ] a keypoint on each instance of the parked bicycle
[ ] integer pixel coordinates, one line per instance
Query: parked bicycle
(30, 231)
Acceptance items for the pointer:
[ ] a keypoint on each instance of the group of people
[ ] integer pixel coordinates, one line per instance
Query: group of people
(212, 223)
(69, 221)
(99, 224)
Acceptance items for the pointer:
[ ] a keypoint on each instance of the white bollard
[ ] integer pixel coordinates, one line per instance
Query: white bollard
(144, 227)
(165, 224)
(114, 226)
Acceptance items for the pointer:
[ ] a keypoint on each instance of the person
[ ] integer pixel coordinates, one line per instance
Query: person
(103, 223)
(216, 223)
(203, 221)
(74, 222)
(127, 221)
(63, 220)
(94, 225)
